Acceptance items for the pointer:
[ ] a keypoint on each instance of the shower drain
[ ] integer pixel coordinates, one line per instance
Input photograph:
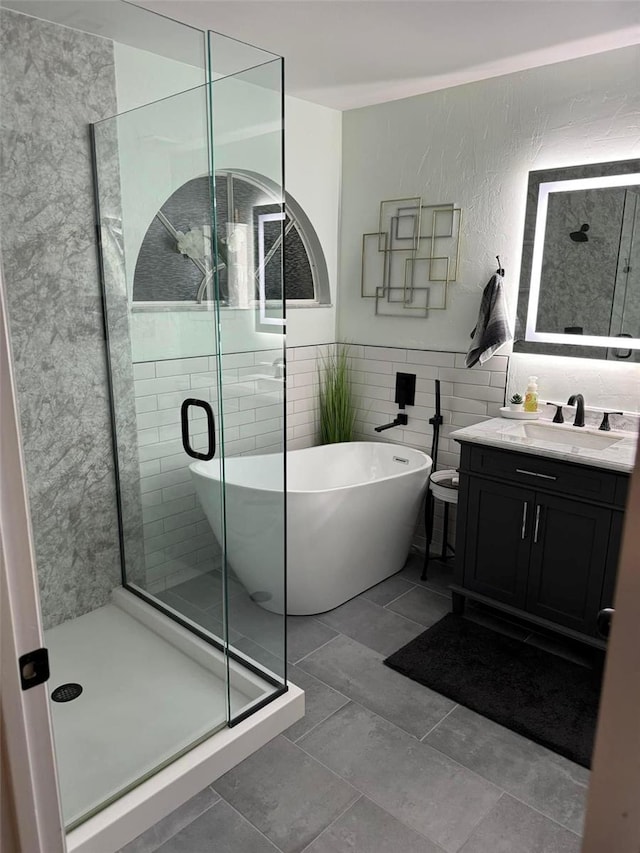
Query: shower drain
(260, 596)
(66, 692)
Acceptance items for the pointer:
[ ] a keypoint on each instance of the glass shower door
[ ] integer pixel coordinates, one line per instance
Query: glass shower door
(154, 197)
(192, 269)
(247, 150)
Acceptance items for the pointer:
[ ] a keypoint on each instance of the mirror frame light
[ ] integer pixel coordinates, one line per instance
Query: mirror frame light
(544, 190)
(541, 183)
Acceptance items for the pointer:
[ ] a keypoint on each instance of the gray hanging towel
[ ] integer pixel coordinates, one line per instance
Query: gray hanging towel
(492, 329)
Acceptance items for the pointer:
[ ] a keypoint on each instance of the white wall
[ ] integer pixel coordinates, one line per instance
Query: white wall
(474, 145)
(163, 146)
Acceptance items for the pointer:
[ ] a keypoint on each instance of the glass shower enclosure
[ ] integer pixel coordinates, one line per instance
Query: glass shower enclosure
(194, 321)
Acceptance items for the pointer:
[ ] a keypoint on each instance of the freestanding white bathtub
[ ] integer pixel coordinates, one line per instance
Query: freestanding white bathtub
(351, 514)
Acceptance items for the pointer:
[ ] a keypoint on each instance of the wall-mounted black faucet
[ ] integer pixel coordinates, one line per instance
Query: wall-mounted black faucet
(405, 396)
(401, 420)
(405, 389)
(577, 400)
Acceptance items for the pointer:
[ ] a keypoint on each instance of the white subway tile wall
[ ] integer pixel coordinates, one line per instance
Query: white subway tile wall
(178, 540)
(468, 396)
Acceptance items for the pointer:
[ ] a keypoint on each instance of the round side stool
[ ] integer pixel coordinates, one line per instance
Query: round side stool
(443, 486)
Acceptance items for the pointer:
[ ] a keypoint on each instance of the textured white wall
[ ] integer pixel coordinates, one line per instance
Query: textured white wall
(475, 145)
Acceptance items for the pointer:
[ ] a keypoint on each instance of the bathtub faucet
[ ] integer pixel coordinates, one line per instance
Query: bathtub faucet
(401, 420)
(278, 367)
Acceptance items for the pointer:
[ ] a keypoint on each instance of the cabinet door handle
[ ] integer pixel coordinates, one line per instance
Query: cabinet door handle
(535, 533)
(535, 474)
(525, 507)
(603, 622)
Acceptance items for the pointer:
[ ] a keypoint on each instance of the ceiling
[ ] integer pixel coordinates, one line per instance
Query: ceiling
(351, 53)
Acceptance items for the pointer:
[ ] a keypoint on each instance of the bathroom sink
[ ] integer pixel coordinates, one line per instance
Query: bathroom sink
(569, 436)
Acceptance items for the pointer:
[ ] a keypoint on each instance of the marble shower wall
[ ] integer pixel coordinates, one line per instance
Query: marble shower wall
(54, 81)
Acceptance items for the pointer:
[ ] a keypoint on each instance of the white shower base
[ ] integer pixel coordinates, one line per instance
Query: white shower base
(150, 691)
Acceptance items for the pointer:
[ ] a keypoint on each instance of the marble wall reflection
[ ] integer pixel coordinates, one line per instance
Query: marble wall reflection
(54, 82)
(578, 279)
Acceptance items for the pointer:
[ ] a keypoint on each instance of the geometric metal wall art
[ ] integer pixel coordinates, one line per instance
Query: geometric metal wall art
(408, 263)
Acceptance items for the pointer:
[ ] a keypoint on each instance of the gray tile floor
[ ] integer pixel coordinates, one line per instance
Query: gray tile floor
(379, 764)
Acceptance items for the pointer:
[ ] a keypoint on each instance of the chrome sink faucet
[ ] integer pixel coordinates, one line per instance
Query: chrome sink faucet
(577, 400)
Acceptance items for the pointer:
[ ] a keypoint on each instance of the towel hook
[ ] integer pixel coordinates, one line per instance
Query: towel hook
(500, 269)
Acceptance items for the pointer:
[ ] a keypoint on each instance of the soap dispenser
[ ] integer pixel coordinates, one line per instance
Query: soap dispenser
(531, 395)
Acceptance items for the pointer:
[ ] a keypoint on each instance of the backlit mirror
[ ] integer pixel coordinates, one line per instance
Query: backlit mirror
(580, 276)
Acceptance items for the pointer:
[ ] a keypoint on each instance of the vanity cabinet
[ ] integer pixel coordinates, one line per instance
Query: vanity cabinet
(538, 538)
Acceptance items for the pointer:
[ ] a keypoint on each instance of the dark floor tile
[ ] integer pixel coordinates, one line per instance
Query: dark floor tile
(263, 627)
(274, 663)
(166, 828)
(360, 674)
(439, 574)
(541, 778)
(286, 793)
(203, 591)
(233, 585)
(210, 620)
(305, 634)
(219, 830)
(320, 701)
(385, 592)
(366, 828)
(513, 827)
(371, 625)
(422, 605)
(419, 786)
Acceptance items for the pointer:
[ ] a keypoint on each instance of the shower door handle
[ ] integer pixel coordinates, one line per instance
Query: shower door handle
(211, 429)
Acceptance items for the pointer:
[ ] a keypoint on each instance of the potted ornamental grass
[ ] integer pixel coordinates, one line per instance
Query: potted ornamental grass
(337, 409)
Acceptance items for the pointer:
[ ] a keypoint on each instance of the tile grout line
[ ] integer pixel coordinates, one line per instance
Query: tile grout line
(173, 835)
(427, 589)
(481, 821)
(357, 702)
(410, 583)
(374, 800)
(380, 607)
(486, 779)
(326, 643)
(417, 740)
(397, 598)
(251, 823)
(543, 814)
(324, 720)
(422, 739)
(335, 820)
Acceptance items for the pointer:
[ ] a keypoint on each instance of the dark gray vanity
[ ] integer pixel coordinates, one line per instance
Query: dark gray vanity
(539, 524)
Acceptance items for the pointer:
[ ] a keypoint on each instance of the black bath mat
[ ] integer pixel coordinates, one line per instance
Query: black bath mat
(546, 698)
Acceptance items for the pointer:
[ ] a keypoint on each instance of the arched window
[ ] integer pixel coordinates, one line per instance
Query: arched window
(175, 260)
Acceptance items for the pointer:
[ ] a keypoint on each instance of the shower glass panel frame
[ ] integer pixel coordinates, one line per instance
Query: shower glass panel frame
(139, 157)
(247, 120)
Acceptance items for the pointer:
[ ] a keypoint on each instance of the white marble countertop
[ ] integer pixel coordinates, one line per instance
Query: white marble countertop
(543, 438)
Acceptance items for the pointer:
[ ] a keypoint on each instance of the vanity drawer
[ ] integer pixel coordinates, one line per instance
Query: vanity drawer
(547, 474)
